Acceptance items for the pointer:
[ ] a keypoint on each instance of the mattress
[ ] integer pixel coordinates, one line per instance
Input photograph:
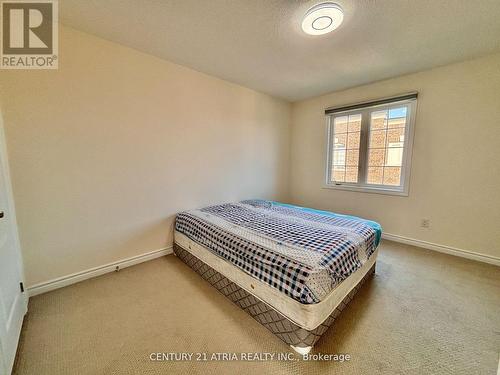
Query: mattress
(306, 316)
(298, 253)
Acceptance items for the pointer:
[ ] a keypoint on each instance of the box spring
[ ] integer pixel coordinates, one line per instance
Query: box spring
(274, 321)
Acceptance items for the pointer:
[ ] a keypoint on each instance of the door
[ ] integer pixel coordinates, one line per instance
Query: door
(13, 302)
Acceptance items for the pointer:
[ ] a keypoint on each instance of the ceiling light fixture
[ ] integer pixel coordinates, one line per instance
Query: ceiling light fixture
(322, 18)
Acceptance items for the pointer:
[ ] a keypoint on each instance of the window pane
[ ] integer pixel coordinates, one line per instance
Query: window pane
(395, 137)
(339, 157)
(396, 123)
(377, 138)
(340, 124)
(351, 174)
(338, 174)
(397, 118)
(340, 141)
(354, 123)
(376, 157)
(392, 176)
(394, 157)
(378, 120)
(352, 158)
(353, 140)
(397, 112)
(375, 175)
(345, 152)
(386, 146)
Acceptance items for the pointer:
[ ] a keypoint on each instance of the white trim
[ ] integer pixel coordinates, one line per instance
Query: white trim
(73, 278)
(443, 249)
(365, 189)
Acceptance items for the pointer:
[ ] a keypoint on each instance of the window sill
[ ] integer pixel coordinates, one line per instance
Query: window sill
(367, 189)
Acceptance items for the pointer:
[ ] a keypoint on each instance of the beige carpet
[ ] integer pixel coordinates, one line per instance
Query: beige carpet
(423, 313)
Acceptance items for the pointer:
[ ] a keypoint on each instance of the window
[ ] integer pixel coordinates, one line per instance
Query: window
(369, 145)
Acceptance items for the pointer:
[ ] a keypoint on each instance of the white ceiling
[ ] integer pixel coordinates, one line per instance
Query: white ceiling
(259, 43)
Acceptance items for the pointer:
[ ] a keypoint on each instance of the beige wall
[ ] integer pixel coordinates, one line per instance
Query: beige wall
(455, 176)
(105, 150)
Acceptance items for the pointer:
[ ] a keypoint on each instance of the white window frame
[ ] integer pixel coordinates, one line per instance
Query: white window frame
(364, 109)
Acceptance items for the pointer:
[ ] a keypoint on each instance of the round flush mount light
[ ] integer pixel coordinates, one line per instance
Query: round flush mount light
(322, 18)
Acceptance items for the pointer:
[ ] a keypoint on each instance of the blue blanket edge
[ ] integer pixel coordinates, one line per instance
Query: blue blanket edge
(373, 224)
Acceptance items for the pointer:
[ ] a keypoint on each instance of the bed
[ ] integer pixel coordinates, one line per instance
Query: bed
(293, 269)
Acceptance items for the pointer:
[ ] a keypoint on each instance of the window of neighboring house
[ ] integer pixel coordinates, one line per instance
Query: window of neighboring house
(369, 145)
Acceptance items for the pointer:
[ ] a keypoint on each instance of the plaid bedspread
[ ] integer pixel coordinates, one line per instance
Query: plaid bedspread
(302, 252)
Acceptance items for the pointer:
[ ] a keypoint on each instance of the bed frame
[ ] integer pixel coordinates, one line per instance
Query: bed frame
(301, 340)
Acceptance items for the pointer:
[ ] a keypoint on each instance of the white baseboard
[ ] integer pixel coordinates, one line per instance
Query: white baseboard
(443, 249)
(60, 282)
